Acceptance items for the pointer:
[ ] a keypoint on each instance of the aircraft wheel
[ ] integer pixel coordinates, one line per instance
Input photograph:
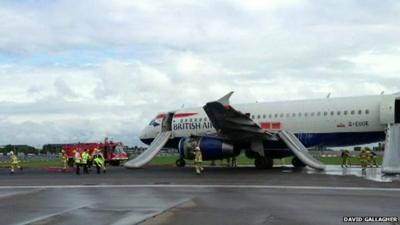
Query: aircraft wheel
(296, 162)
(180, 163)
(263, 163)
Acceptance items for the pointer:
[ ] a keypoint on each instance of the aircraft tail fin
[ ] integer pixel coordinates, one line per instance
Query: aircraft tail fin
(225, 99)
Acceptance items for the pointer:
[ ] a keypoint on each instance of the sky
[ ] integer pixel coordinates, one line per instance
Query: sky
(81, 70)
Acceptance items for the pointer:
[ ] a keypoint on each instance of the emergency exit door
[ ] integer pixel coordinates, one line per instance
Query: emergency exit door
(167, 122)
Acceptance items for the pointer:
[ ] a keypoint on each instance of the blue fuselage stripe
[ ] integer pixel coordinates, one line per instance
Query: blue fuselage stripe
(313, 139)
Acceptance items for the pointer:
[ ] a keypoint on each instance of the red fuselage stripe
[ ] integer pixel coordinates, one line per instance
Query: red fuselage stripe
(181, 115)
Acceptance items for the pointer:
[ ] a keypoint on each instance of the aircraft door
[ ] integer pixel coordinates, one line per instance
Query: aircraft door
(167, 122)
(387, 109)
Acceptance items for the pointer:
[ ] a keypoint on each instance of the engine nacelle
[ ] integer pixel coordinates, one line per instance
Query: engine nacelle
(211, 148)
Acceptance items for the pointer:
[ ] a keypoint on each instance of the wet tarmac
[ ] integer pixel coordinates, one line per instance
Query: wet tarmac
(168, 195)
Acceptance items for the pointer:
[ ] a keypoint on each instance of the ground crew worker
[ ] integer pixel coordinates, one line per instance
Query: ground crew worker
(198, 160)
(99, 161)
(77, 159)
(14, 162)
(91, 155)
(363, 159)
(85, 160)
(64, 160)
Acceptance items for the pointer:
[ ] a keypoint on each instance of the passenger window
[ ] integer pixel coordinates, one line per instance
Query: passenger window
(293, 114)
(195, 119)
(186, 120)
(352, 112)
(258, 117)
(359, 112)
(345, 112)
(338, 113)
(332, 113)
(325, 113)
(190, 120)
(253, 117)
(181, 120)
(281, 115)
(276, 115)
(305, 114)
(270, 116)
(366, 111)
(312, 114)
(299, 114)
(264, 116)
(200, 119)
(318, 113)
(287, 115)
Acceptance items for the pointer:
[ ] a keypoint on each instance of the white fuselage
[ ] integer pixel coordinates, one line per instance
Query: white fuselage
(317, 116)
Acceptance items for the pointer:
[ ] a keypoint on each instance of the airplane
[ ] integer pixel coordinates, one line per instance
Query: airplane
(270, 130)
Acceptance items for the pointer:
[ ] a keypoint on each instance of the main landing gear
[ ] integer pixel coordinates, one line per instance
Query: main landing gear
(180, 162)
(263, 162)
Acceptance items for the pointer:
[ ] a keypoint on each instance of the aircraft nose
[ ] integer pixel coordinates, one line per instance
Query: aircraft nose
(144, 136)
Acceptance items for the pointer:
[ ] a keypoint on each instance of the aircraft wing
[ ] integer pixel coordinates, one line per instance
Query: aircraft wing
(232, 123)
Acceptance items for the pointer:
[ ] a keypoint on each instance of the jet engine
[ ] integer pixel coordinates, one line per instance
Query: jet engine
(211, 148)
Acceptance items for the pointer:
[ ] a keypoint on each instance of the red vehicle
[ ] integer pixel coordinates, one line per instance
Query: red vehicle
(113, 151)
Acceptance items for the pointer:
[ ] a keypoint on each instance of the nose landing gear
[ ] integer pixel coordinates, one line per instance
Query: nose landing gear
(180, 162)
(296, 162)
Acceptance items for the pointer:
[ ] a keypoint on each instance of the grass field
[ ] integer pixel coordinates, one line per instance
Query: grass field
(242, 160)
(36, 164)
(170, 160)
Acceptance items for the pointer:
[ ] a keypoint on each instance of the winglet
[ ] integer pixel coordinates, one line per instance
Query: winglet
(225, 100)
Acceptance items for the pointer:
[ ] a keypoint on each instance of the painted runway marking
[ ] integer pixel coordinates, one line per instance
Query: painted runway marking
(40, 218)
(202, 186)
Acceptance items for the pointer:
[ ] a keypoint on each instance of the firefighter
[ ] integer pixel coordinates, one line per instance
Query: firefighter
(345, 158)
(14, 163)
(373, 159)
(198, 160)
(85, 160)
(64, 159)
(364, 159)
(78, 161)
(348, 162)
(99, 161)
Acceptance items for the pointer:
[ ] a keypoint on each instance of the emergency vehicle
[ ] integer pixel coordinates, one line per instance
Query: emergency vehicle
(113, 151)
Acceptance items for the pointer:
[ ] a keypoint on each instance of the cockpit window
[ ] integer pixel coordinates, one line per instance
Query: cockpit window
(154, 123)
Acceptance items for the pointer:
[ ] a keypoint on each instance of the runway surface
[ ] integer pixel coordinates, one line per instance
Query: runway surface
(168, 195)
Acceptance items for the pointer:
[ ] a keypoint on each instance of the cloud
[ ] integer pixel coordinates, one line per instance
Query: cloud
(385, 64)
(67, 68)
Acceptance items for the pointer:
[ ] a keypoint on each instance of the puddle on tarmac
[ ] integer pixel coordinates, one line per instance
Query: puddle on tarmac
(371, 173)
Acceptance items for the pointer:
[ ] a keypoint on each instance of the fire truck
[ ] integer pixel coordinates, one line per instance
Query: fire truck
(113, 152)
